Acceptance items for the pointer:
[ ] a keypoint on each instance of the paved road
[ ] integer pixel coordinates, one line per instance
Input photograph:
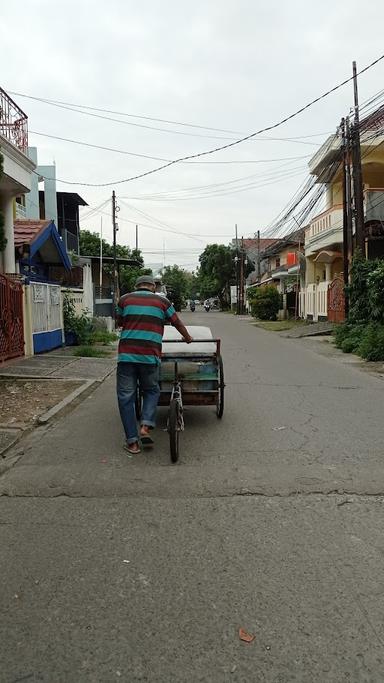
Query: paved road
(119, 569)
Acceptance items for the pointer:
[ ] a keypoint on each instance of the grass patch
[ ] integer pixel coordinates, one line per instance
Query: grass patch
(103, 337)
(277, 325)
(90, 352)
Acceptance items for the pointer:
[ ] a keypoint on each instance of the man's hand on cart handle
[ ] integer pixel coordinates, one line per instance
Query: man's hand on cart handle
(183, 331)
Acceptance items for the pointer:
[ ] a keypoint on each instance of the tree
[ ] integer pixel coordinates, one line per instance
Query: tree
(176, 281)
(90, 246)
(218, 272)
(3, 239)
(129, 275)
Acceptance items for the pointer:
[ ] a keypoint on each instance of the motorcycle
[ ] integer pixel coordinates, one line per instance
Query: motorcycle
(192, 306)
(207, 307)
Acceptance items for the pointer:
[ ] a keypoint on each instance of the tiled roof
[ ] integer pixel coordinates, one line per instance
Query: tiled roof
(26, 231)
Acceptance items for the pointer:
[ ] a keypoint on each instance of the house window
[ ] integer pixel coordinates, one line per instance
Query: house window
(278, 262)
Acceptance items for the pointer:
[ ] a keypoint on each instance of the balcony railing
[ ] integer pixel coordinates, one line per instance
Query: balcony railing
(13, 122)
(71, 241)
(21, 211)
(332, 219)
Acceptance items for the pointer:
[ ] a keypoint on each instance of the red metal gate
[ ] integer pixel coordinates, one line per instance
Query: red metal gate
(336, 301)
(11, 318)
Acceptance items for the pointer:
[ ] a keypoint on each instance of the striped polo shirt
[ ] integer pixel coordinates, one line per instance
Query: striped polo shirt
(142, 315)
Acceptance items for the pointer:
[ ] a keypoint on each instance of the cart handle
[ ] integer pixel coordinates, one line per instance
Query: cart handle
(196, 341)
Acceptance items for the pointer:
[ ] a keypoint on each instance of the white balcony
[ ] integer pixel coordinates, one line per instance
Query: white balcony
(325, 230)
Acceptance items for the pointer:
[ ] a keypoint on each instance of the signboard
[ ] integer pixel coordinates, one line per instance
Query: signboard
(233, 294)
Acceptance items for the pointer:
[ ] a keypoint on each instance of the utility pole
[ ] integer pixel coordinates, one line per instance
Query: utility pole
(137, 237)
(242, 277)
(115, 278)
(349, 188)
(258, 256)
(346, 211)
(357, 170)
(101, 256)
(237, 272)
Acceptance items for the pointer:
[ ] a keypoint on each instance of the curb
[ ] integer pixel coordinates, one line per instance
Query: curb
(43, 419)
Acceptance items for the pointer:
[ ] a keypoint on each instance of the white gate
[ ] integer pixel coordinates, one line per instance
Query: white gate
(46, 308)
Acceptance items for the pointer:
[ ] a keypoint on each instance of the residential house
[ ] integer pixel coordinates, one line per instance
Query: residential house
(16, 178)
(281, 266)
(39, 248)
(60, 207)
(68, 218)
(252, 247)
(17, 171)
(324, 234)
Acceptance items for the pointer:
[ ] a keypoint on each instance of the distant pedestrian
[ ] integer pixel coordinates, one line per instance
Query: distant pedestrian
(142, 315)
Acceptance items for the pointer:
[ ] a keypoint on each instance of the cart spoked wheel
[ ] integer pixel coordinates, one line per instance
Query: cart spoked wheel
(138, 403)
(220, 388)
(174, 426)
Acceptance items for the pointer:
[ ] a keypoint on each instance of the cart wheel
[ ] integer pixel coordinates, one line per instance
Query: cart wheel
(174, 429)
(138, 403)
(220, 388)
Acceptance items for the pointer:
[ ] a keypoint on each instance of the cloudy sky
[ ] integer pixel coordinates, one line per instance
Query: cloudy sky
(226, 67)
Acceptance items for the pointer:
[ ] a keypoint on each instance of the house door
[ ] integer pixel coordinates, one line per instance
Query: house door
(11, 318)
(336, 301)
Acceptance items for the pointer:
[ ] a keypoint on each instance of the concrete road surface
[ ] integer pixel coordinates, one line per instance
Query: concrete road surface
(131, 569)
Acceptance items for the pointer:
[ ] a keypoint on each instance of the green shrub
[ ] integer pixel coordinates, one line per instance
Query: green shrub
(366, 291)
(348, 337)
(265, 302)
(80, 325)
(340, 333)
(375, 285)
(372, 343)
(103, 337)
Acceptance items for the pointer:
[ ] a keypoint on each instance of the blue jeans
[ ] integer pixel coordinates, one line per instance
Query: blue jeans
(128, 375)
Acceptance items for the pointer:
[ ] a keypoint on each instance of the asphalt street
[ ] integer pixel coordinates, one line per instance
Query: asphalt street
(133, 569)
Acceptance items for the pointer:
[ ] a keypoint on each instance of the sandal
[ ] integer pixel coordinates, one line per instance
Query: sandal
(145, 437)
(129, 447)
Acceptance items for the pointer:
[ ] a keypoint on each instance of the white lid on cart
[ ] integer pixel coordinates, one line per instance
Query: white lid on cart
(183, 349)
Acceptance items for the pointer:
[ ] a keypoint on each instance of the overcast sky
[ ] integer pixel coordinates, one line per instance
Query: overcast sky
(236, 66)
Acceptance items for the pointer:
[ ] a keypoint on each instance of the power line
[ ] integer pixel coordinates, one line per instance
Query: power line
(192, 188)
(79, 107)
(107, 149)
(152, 227)
(148, 156)
(230, 191)
(230, 144)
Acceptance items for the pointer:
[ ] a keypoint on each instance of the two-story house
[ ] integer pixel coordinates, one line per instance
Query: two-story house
(324, 234)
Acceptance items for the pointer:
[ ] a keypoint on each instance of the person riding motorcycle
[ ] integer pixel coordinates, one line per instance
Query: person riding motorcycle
(192, 306)
(207, 305)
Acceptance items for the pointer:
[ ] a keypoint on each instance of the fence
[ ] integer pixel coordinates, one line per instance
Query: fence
(77, 298)
(11, 318)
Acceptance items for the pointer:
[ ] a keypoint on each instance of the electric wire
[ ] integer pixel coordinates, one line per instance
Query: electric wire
(229, 144)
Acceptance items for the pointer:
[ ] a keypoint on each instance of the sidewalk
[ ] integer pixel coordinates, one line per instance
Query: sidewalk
(33, 390)
(59, 363)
